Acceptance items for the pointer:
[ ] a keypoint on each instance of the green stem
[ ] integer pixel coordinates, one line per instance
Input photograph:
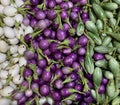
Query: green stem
(36, 33)
(8, 55)
(39, 51)
(68, 22)
(12, 1)
(17, 24)
(80, 73)
(72, 31)
(80, 20)
(32, 13)
(22, 10)
(65, 42)
(29, 79)
(29, 102)
(52, 40)
(55, 78)
(71, 97)
(84, 81)
(37, 91)
(82, 64)
(86, 87)
(44, 5)
(33, 67)
(97, 96)
(76, 47)
(63, 103)
(31, 48)
(48, 68)
(61, 47)
(22, 40)
(27, 2)
(75, 91)
(40, 6)
(1, 23)
(66, 80)
(37, 101)
(22, 70)
(60, 22)
(2, 16)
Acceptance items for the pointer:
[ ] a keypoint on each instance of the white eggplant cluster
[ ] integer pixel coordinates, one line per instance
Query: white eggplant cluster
(11, 49)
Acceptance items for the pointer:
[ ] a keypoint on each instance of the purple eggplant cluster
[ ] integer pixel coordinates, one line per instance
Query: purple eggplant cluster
(55, 54)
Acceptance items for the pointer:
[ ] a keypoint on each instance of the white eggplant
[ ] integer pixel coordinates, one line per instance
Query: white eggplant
(9, 21)
(3, 74)
(2, 57)
(6, 91)
(9, 32)
(3, 46)
(9, 11)
(5, 101)
(22, 61)
(14, 70)
(17, 79)
(5, 2)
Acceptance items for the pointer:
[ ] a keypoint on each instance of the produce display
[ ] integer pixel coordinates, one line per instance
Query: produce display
(59, 52)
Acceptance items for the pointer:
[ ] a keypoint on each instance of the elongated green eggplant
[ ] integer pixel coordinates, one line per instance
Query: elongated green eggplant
(99, 11)
(109, 14)
(91, 50)
(103, 49)
(80, 29)
(110, 88)
(110, 6)
(97, 77)
(102, 64)
(91, 27)
(92, 16)
(89, 64)
(106, 40)
(96, 38)
(112, 21)
(93, 93)
(108, 75)
(114, 66)
(99, 24)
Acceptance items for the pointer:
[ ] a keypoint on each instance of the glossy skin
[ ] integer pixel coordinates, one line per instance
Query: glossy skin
(56, 96)
(61, 35)
(44, 44)
(46, 75)
(44, 90)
